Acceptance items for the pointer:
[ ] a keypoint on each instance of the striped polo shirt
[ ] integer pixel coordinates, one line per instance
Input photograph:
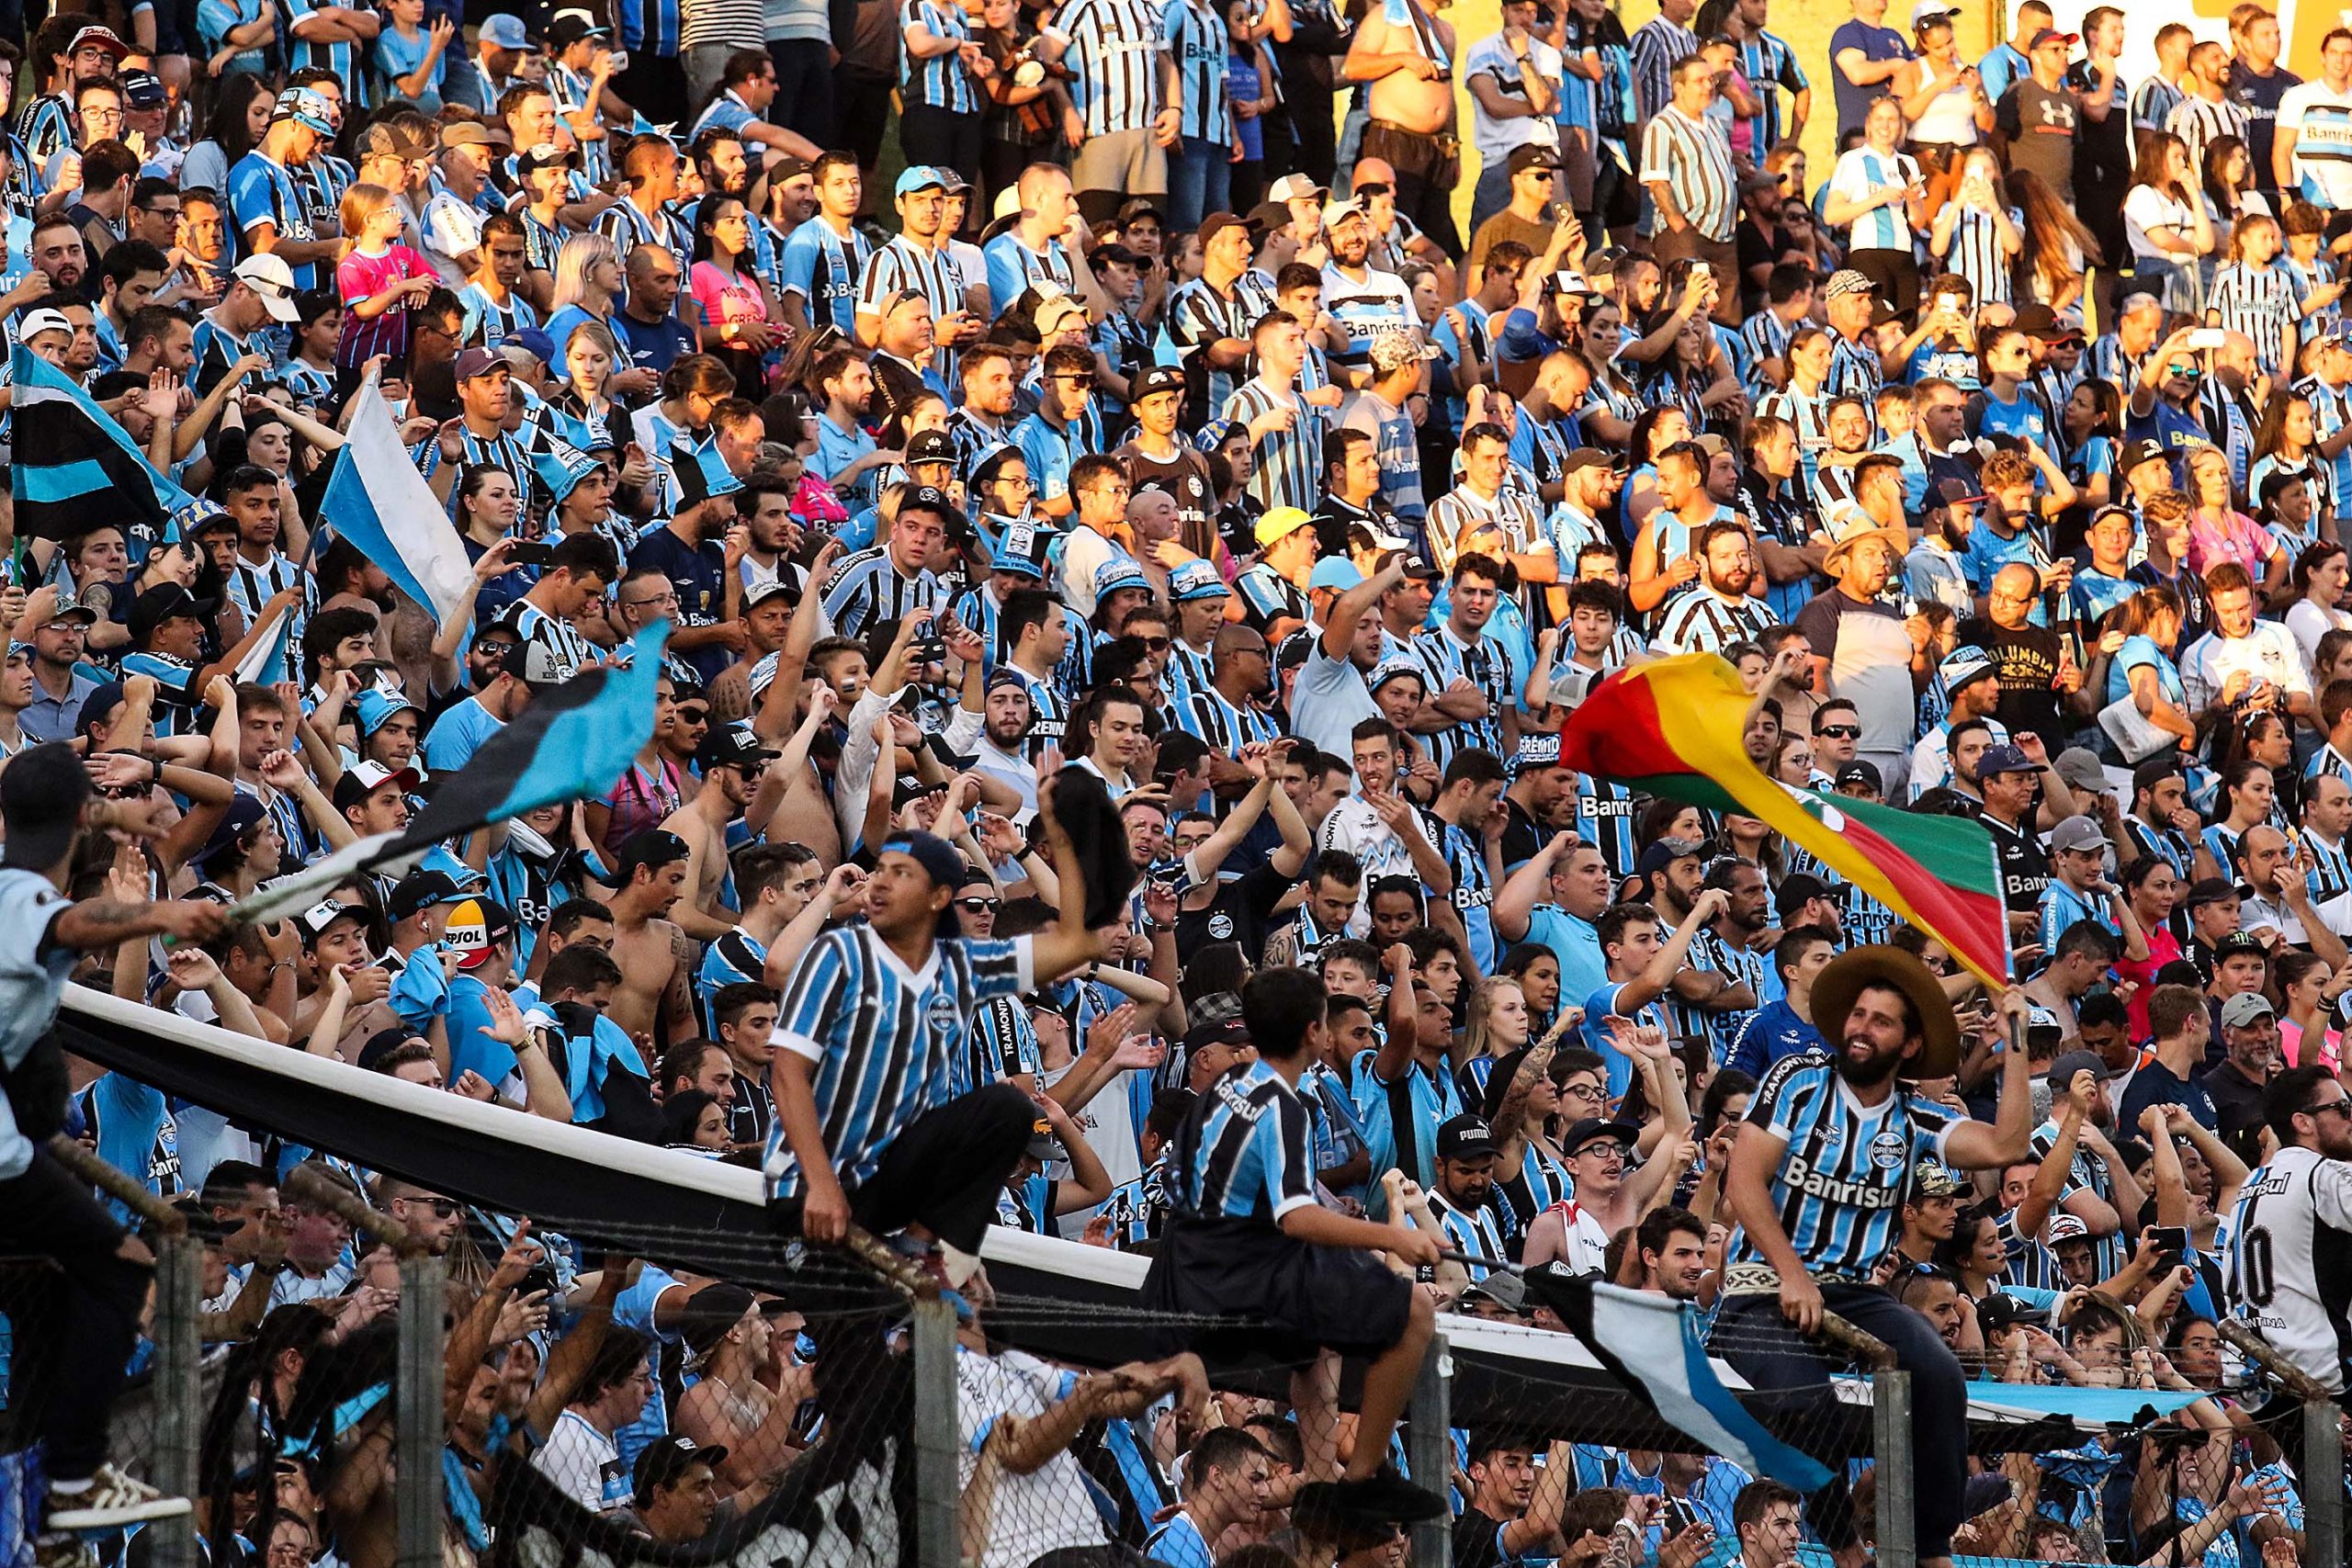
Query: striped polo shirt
(1692, 159)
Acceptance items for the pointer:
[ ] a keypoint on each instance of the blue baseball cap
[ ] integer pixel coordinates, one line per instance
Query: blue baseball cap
(1197, 580)
(1999, 760)
(1335, 571)
(1395, 666)
(376, 706)
(504, 31)
(921, 176)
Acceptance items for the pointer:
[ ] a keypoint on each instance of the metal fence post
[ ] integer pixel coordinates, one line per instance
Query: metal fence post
(1429, 1449)
(420, 1504)
(1890, 1439)
(937, 1450)
(178, 1391)
(2322, 1479)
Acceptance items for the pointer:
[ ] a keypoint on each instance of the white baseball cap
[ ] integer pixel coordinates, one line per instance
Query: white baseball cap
(43, 321)
(269, 276)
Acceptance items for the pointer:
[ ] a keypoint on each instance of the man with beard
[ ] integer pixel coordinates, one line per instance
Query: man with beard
(1672, 1246)
(846, 455)
(688, 550)
(1362, 298)
(734, 766)
(2289, 1257)
(995, 736)
(1719, 610)
(824, 257)
(652, 336)
(984, 421)
(1462, 1201)
(1816, 1184)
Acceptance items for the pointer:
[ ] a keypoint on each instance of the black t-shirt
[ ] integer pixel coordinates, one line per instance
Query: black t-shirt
(2025, 870)
(2259, 97)
(1242, 911)
(2237, 1100)
(1476, 1540)
(2026, 660)
(1185, 477)
(2042, 127)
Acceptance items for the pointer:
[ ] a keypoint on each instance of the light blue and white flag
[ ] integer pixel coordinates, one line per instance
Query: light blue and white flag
(270, 660)
(377, 501)
(1651, 1345)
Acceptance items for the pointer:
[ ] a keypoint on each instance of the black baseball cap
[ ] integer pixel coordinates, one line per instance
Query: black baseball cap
(667, 1458)
(164, 603)
(2138, 452)
(2237, 945)
(1466, 1137)
(1158, 378)
(1861, 772)
(735, 745)
(1796, 891)
(420, 890)
(931, 446)
(1663, 853)
(1589, 1129)
(2209, 890)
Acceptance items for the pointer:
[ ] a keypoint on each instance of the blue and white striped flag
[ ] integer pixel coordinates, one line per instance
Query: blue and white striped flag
(377, 501)
(1651, 1345)
(270, 661)
(69, 456)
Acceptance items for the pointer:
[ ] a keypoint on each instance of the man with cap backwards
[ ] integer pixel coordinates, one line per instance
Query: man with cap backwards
(1817, 1183)
(872, 1019)
(265, 198)
(103, 1274)
(2291, 1236)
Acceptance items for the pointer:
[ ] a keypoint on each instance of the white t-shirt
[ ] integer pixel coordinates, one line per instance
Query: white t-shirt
(2320, 119)
(585, 1464)
(1491, 56)
(2147, 208)
(1047, 1510)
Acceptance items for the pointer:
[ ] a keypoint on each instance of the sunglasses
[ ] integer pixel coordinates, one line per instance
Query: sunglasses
(981, 905)
(1154, 643)
(442, 1207)
(1840, 732)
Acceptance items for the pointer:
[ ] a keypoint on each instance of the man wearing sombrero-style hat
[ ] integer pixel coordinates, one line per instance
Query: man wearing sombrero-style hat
(1832, 1143)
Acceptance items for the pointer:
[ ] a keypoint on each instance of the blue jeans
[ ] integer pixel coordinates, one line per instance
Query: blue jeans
(1200, 181)
(1792, 1381)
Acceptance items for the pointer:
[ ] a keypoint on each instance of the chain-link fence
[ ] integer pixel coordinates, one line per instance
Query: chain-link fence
(785, 1404)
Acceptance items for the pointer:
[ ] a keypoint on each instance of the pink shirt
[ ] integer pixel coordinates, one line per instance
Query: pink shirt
(724, 301)
(2236, 537)
(362, 276)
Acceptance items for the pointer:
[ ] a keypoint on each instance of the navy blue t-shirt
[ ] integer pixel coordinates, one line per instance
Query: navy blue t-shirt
(697, 573)
(653, 345)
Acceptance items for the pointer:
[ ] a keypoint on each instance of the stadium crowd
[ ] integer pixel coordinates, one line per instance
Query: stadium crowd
(1158, 434)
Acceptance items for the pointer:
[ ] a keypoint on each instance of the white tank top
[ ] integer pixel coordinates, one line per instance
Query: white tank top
(1951, 119)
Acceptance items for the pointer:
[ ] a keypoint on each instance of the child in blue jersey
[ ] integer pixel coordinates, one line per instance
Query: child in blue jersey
(1245, 1236)
(1817, 1180)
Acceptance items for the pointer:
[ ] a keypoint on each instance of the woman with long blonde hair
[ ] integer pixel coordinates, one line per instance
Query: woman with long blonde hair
(587, 284)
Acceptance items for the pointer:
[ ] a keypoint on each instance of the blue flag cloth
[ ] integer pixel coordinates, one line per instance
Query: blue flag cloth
(1651, 1345)
(70, 455)
(377, 500)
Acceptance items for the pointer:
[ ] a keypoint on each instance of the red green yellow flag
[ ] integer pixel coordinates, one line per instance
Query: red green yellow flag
(1672, 728)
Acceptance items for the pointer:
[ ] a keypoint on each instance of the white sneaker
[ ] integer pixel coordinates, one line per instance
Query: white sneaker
(63, 1551)
(113, 1501)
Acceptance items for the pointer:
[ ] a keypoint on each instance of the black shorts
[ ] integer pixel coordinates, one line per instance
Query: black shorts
(1288, 1298)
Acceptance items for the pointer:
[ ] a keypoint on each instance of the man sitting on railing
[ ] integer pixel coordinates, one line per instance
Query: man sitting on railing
(1816, 1182)
(102, 1273)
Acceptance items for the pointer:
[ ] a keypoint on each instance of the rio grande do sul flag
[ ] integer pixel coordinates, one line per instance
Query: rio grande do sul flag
(1672, 727)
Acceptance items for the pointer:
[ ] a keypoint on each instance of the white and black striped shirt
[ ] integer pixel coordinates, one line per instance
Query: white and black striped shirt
(1704, 621)
(903, 265)
(1657, 45)
(1692, 157)
(1289, 462)
(2196, 123)
(1115, 50)
(867, 590)
(2259, 302)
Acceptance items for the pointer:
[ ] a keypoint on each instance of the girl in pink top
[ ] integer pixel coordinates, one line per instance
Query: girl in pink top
(380, 280)
(736, 311)
(2218, 531)
(2311, 990)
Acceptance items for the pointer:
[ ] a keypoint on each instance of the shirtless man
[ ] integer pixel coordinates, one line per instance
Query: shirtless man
(735, 783)
(653, 953)
(1410, 68)
(731, 1405)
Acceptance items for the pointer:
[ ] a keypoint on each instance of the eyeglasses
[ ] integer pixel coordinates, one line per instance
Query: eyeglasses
(1604, 1150)
(981, 905)
(1581, 1091)
(1840, 732)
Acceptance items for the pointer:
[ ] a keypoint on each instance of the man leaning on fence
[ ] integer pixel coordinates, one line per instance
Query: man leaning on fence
(101, 1273)
(1817, 1181)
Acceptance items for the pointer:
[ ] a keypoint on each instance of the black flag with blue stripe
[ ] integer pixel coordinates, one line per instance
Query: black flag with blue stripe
(70, 455)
